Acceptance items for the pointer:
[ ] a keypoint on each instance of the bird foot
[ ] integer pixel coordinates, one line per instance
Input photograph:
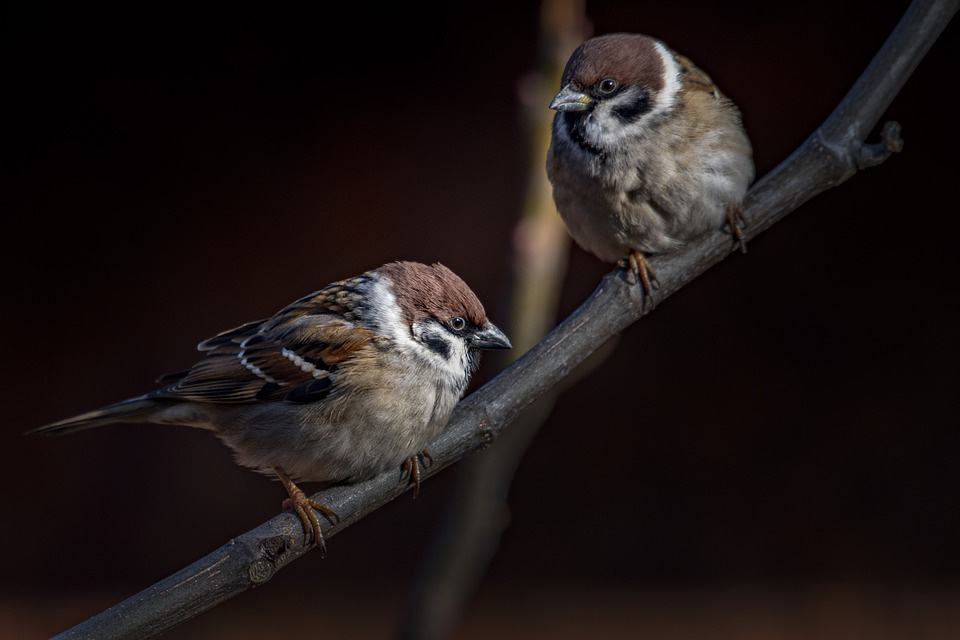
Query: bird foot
(638, 265)
(412, 466)
(306, 509)
(737, 222)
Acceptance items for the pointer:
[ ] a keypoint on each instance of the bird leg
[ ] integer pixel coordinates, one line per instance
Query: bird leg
(736, 221)
(412, 466)
(305, 508)
(638, 264)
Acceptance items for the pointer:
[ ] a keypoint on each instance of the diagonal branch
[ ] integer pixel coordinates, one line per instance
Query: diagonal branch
(831, 155)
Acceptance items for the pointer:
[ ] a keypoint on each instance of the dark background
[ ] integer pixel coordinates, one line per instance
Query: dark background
(786, 424)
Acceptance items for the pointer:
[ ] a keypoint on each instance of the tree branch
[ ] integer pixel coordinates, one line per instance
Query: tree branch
(831, 155)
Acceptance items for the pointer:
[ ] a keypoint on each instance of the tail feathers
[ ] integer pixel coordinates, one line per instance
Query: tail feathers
(133, 410)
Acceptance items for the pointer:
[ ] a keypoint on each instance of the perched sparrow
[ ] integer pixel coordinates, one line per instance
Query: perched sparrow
(341, 385)
(646, 152)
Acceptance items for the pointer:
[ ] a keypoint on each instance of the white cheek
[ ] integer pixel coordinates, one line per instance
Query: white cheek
(410, 340)
(452, 369)
(663, 101)
(392, 324)
(667, 96)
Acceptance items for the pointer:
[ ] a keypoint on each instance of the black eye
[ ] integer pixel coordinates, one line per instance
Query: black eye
(608, 86)
(457, 323)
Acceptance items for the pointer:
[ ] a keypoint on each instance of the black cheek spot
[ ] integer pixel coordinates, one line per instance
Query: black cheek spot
(632, 110)
(437, 345)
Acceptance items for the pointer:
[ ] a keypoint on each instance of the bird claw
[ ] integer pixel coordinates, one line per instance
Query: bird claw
(306, 508)
(643, 274)
(737, 222)
(412, 466)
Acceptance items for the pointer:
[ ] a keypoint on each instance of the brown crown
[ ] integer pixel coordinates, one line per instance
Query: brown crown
(432, 290)
(629, 58)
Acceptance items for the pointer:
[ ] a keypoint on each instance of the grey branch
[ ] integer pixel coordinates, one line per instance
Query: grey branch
(831, 155)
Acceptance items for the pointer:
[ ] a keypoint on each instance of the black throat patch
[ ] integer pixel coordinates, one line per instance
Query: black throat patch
(576, 122)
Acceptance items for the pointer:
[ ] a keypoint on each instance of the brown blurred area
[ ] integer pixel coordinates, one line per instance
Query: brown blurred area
(771, 454)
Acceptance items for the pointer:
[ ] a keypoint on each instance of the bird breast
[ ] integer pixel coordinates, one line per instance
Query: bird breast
(655, 187)
(368, 424)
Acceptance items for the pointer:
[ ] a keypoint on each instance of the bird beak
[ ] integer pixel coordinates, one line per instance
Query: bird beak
(490, 337)
(570, 100)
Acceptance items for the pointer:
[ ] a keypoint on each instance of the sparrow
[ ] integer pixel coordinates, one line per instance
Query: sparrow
(339, 386)
(646, 153)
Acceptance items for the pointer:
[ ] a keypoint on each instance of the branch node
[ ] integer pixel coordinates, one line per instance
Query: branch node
(261, 571)
(273, 550)
(486, 434)
(890, 142)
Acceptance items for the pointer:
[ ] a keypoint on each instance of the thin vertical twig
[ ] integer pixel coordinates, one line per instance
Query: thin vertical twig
(478, 512)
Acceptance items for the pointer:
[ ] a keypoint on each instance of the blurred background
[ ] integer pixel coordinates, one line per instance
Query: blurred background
(771, 454)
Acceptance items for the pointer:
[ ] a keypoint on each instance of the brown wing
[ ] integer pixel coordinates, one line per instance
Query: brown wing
(289, 356)
(695, 77)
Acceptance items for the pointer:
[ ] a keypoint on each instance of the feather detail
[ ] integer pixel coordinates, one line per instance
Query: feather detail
(267, 359)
